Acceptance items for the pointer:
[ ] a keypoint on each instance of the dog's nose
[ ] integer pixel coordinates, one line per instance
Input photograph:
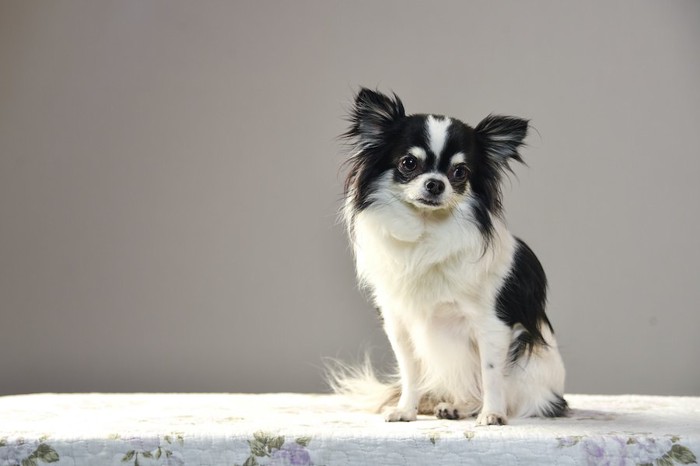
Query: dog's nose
(434, 186)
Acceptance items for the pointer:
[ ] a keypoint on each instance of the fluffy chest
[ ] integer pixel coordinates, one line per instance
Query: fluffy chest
(443, 262)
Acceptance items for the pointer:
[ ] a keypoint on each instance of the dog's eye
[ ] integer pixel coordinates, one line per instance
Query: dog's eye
(459, 172)
(408, 163)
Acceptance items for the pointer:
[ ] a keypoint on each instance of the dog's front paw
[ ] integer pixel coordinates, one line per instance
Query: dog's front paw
(491, 419)
(403, 415)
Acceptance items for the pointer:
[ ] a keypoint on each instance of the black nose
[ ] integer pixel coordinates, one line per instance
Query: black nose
(434, 186)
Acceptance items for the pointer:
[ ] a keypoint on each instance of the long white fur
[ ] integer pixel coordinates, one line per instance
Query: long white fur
(437, 132)
(418, 152)
(436, 281)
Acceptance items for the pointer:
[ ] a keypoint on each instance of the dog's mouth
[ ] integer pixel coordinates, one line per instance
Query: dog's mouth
(429, 203)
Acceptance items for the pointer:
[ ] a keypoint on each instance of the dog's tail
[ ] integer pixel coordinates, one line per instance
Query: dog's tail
(360, 384)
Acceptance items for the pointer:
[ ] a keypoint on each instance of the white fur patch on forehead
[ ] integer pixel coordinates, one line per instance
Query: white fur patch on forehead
(437, 132)
(458, 158)
(418, 152)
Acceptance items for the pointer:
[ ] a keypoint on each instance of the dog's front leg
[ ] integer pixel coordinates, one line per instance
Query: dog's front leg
(493, 340)
(407, 407)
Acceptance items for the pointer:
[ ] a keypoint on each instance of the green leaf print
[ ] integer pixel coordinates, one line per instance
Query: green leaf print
(251, 461)
(45, 453)
(303, 441)
(257, 448)
(682, 454)
(275, 443)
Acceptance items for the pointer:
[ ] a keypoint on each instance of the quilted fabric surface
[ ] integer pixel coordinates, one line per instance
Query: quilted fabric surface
(296, 429)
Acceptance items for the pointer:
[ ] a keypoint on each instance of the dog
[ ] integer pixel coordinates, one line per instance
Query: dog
(462, 300)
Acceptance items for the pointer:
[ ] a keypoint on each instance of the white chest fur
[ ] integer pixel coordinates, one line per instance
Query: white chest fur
(425, 262)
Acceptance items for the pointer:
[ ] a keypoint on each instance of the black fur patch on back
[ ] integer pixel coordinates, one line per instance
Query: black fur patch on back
(520, 346)
(522, 300)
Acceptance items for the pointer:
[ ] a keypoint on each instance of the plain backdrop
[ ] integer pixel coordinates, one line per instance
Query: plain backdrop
(169, 182)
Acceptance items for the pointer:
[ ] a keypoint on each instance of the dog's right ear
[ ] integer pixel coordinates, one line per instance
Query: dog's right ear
(501, 137)
(373, 114)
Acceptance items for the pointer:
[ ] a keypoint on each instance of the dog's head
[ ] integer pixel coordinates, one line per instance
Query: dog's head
(430, 162)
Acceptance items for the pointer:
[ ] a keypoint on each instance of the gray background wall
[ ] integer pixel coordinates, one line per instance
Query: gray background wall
(169, 182)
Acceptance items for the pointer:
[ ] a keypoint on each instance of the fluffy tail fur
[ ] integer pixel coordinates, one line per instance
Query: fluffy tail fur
(360, 384)
(367, 391)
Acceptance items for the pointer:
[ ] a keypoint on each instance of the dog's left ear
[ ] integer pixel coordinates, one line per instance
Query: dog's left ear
(501, 136)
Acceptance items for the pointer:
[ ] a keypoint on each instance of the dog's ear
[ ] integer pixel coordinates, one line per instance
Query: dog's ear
(372, 116)
(501, 136)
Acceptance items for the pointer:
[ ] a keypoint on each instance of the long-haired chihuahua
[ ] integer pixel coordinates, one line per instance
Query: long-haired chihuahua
(462, 300)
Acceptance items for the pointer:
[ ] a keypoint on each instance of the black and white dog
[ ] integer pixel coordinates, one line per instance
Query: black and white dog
(462, 299)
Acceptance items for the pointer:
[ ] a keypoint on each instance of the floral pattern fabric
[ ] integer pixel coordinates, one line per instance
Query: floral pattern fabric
(305, 430)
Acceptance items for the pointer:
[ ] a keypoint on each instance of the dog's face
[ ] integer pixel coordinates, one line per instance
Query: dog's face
(431, 162)
(430, 158)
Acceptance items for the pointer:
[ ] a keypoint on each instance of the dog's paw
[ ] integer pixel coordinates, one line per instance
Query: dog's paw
(402, 415)
(491, 419)
(449, 411)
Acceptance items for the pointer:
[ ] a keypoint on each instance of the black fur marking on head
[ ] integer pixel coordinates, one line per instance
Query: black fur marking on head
(373, 115)
(522, 300)
(501, 136)
(373, 120)
(498, 139)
